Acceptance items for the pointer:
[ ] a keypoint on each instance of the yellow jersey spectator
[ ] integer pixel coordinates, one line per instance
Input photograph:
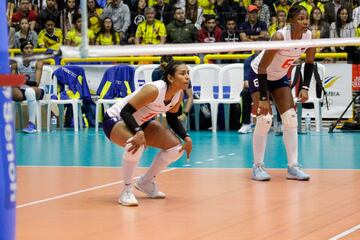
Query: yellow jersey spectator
(94, 13)
(107, 35)
(208, 6)
(309, 4)
(150, 31)
(50, 37)
(73, 37)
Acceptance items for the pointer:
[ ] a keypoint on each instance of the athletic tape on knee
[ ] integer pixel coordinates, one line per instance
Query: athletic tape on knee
(132, 157)
(289, 119)
(172, 154)
(30, 94)
(263, 124)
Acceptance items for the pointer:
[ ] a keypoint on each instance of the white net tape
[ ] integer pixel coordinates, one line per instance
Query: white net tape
(195, 48)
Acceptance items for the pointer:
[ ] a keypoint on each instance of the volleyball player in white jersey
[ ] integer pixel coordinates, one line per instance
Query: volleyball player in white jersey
(129, 123)
(268, 77)
(30, 91)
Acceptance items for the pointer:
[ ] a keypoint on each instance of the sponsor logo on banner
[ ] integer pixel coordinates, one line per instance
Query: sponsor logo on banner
(356, 77)
(7, 148)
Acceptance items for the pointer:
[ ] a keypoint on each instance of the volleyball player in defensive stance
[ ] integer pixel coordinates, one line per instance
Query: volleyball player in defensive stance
(268, 77)
(129, 123)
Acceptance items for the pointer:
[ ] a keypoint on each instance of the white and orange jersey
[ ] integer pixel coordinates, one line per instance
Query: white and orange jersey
(150, 110)
(283, 59)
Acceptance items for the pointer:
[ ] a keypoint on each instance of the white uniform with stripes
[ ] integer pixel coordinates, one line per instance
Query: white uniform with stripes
(150, 110)
(283, 59)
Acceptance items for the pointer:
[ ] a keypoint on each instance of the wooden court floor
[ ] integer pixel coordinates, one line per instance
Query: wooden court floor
(74, 195)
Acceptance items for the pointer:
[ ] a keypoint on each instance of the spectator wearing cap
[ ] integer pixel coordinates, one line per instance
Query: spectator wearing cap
(24, 11)
(178, 31)
(210, 32)
(253, 29)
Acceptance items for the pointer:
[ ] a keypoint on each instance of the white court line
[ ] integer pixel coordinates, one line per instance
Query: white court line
(231, 154)
(345, 233)
(199, 162)
(78, 192)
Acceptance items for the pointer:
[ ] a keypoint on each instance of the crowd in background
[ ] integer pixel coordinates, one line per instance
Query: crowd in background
(52, 23)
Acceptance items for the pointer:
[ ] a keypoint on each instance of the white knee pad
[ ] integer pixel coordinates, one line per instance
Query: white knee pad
(132, 157)
(289, 119)
(172, 154)
(30, 94)
(263, 124)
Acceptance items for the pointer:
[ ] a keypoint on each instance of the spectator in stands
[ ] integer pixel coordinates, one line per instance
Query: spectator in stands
(263, 12)
(231, 34)
(151, 31)
(66, 19)
(178, 31)
(238, 12)
(331, 7)
(163, 12)
(49, 11)
(282, 5)
(356, 14)
(208, 6)
(310, 4)
(222, 10)
(209, 32)
(30, 91)
(107, 34)
(50, 37)
(188, 98)
(279, 23)
(10, 7)
(25, 34)
(24, 11)
(94, 13)
(319, 28)
(120, 15)
(194, 13)
(73, 37)
(137, 17)
(342, 28)
(11, 35)
(253, 29)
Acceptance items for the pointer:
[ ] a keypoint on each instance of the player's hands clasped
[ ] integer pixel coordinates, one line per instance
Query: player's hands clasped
(136, 141)
(264, 107)
(187, 146)
(303, 95)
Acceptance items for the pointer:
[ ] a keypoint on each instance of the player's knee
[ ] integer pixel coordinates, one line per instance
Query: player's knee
(30, 94)
(289, 119)
(130, 156)
(172, 154)
(263, 124)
